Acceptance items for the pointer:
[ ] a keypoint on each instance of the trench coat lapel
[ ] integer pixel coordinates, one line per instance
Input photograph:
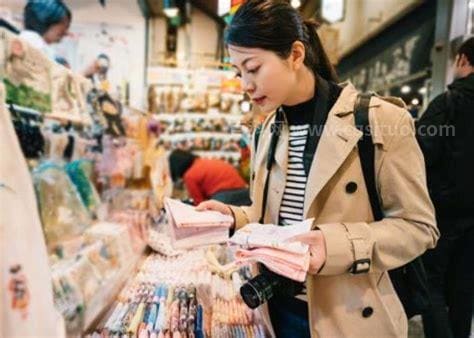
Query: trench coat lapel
(338, 139)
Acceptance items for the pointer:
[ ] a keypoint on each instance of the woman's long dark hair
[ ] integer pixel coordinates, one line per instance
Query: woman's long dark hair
(275, 26)
(180, 161)
(39, 15)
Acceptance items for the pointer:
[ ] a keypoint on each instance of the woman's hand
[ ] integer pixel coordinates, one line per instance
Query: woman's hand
(317, 248)
(215, 206)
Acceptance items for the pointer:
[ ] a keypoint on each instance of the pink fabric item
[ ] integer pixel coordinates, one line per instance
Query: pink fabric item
(291, 265)
(185, 216)
(194, 230)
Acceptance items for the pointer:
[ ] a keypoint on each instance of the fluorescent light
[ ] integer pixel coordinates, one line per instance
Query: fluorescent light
(223, 7)
(245, 106)
(296, 3)
(422, 90)
(415, 102)
(405, 89)
(171, 12)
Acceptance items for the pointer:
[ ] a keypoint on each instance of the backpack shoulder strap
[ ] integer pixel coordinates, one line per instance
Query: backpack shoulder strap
(367, 151)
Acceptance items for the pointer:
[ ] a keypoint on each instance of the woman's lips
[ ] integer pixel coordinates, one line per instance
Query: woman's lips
(259, 100)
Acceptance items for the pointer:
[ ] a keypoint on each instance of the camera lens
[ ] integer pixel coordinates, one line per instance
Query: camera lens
(257, 290)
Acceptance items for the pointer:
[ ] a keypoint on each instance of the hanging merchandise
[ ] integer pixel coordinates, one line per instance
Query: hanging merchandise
(79, 172)
(26, 305)
(27, 74)
(63, 214)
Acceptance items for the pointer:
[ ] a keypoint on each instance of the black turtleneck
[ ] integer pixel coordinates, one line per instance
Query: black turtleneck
(300, 114)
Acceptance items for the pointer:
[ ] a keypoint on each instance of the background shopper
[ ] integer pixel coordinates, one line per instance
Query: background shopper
(208, 178)
(449, 155)
(46, 22)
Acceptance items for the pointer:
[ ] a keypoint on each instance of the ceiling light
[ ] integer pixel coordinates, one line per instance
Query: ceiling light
(415, 102)
(405, 89)
(296, 3)
(422, 90)
(471, 4)
(171, 12)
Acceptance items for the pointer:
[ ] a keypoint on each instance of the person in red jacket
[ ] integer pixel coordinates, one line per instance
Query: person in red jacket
(208, 178)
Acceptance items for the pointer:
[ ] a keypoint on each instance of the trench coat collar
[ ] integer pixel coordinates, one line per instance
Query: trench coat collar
(338, 140)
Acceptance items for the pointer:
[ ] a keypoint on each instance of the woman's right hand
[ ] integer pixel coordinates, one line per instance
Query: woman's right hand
(215, 206)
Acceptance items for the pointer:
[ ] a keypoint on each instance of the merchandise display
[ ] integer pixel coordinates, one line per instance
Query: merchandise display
(180, 297)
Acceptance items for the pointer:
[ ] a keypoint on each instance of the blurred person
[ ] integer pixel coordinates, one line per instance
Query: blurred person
(46, 22)
(449, 156)
(307, 165)
(208, 178)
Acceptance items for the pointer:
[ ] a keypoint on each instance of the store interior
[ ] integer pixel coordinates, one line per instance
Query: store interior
(85, 177)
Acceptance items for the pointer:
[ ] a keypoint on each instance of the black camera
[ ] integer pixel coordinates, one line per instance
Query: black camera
(266, 285)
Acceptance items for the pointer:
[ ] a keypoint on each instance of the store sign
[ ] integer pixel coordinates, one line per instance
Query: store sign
(333, 10)
(406, 57)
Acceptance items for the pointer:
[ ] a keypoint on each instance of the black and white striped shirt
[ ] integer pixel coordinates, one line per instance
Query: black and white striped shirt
(292, 204)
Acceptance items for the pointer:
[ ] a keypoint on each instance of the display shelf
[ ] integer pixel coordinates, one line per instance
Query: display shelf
(192, 135)
(218, 153)
(103, 300)
(197, 116)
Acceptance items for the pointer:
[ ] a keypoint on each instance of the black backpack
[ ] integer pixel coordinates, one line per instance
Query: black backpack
(410, 280)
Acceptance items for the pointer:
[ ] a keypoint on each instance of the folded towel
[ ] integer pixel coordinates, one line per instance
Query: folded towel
(268, 244)
(291, 265)
(256, 235)
(185, 215)
(188, 230)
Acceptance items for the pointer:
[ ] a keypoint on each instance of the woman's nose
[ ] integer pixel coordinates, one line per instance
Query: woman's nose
(248, 86)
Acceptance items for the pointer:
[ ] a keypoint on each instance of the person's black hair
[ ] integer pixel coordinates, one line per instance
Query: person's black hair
(40, 15)
(275, 26)
(180, 161)
(4, 23)
(467, 48)
(103, 56)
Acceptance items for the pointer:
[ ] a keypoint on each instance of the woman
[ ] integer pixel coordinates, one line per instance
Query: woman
(317, 173)
(46, 22)
(208, 178)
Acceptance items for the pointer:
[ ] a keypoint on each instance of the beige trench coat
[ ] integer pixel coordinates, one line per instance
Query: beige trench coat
(336, 297)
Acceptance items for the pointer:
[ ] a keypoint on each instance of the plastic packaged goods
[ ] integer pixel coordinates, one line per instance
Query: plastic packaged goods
(79, 172)
(180, 297)
(63, 214)
(26, 74)
(26, 305)
(190, 228)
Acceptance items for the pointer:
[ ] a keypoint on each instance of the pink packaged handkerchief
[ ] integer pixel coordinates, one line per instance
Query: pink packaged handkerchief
(185, 215)
(196, 231)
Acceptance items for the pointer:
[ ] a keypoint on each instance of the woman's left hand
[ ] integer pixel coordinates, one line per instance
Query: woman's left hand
(317, 248)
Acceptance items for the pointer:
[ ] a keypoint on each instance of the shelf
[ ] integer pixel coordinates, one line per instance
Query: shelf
(104, 299)
(197, 116)
(193, 135)
(217, 153)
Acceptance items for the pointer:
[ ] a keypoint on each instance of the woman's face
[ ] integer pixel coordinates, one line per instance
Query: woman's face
(56, 32)
(266, 77)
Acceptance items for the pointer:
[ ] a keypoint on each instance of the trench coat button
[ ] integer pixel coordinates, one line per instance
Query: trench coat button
(351, 187)
(367, 312)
